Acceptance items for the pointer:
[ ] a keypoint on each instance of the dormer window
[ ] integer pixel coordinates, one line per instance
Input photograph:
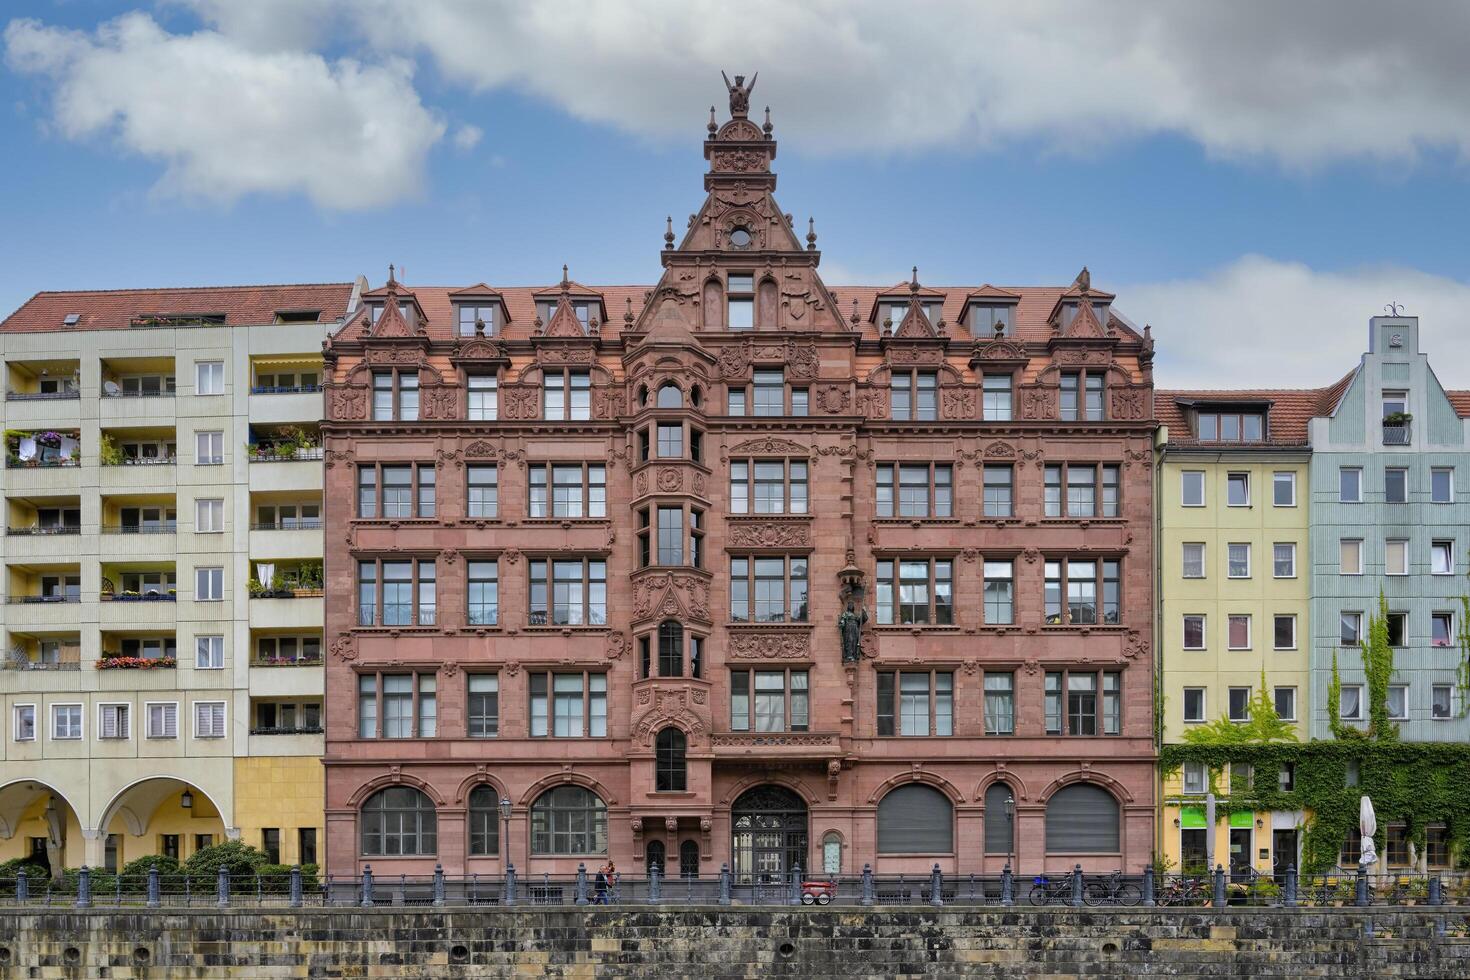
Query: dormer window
(469, 314)
(1069, 313)
(298, 316)
(991, 319)
(404, 308)
(893, 313)
(740, 306)
(546, 309)
(1229, 426)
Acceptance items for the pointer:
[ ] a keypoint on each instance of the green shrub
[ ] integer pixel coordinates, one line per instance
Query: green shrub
(34, 866)
(232, 855)
(138, 867)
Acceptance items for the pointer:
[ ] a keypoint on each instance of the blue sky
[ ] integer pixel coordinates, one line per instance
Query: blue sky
(197, 142)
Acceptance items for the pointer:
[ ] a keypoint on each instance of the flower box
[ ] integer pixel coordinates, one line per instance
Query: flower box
(137, 663)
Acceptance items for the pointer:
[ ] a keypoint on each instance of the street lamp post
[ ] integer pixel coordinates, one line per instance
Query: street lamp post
(505, 810)
(1010, 806)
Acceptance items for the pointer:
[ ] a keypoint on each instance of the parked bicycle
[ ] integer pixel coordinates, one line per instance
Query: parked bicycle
(1051, 891)
(1184, 891)
(1111, 890)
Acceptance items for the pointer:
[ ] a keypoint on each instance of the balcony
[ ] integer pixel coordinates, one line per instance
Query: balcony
(1397, 433)
(35, 656)
(117, 661)
(284, 443)
(286, 390)
(765, 746)
(41, 392)
(38, 530)
(287, 660)
(42, 449)
(61, 394)
(299, 730)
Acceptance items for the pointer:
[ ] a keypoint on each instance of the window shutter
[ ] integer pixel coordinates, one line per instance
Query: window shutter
(170, 721)
(109, 721)
(997, 827)
(915, 819)
(1082, 819)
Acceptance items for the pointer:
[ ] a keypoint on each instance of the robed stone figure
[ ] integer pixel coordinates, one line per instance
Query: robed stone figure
(850, 628)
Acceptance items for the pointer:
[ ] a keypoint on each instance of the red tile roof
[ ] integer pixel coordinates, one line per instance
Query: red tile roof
(1461, 402)
(1288, 411)
(115, 308)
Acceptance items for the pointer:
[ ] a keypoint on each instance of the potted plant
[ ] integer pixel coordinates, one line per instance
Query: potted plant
(1398, 418)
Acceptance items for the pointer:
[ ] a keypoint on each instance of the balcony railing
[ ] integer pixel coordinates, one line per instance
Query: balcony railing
(16, 463)
(42, 396)
(1396, 433)
(295, 730)
(129, 596)
(259, 454)
(302, 524)
(38, 530)
(169, 527)
(116, 661)
(138, 394)
(304, 660)
(285, 389)
(26, 600)
(146, 461)
(315, 593)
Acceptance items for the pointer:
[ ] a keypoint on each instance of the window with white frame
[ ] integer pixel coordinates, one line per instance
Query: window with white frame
(1239, 706)
(1441, 484)
(1352, 628)
(1350, 556)
(1194, 704)
(1396, 556)
(209, 514)
(209, 719)
(25, 723)
(1398, 702)
(114, 721)
(209, 448)
(1350, 702)
(209, 652)
(1192, 488)
(66, 722)
(999, 593)
(1193, 563)
(1283, 559)
(482, 402)
(209, 377)
(1194, 632)
(162, 719)
(1350, 484)
(1442, 702)
(1238, 555)
(1284, 700)
(209, 584)
(1442, 557)
(1395, 485)
(1441, 629)
(1237, 489)
(1194, 778)
(1283, 631)
(1239, 631)
(1283, 488)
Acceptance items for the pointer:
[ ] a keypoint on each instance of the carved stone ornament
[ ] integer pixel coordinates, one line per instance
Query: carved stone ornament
(670, 479)
(450, 668)
(480, 449)
(769, 645)
(674, 595)
(959, 403)
(439, 402)
(520, 402)
(833, 399)
(1135, 646)
(1038, 403)
(1000, 450)
(998, 351)
(769, 446)
(347, 404)
(1128, 403)
(335, 456)
(344, 649)
(670, 707)
(616, 645)
(769, 534)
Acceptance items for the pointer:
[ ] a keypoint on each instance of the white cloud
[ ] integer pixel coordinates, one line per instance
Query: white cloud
(1259, 322)
(468, 137)
(227, 119)
(1302, 83)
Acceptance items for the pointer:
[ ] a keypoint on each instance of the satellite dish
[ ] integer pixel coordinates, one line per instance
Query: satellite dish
(111, 388)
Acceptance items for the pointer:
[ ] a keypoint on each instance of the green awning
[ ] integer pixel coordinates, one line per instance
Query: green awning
(1192, 817)
(1242, 819)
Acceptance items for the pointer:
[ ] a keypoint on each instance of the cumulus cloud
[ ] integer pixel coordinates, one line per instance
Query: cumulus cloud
(468, 137)
(1300, 83)
(228, 119)
(1259, 322)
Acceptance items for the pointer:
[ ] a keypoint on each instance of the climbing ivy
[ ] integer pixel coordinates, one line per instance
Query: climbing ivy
(1263, 725)
(1378, 668)
(1416, 783)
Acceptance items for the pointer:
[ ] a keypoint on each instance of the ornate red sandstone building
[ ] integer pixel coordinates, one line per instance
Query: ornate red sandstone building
(600, 544)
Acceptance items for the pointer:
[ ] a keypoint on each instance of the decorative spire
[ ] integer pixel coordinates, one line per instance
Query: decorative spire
(811, 234)
(855, 318)
(392, 279)
(628, 313)
(1084, 280)
(566, 281)
(767, 126)
(713, 125)
(669, 233)
(914, 282)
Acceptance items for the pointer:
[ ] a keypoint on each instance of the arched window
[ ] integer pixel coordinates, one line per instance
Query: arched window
(1082, 819)
(671, 771)
(689, 859)
(398, 820)
(653, 856)
(568, 820)
(669, 396)
(1000, 833)
(484, 819)
(831, 853)
(670, 648)
(915, 819)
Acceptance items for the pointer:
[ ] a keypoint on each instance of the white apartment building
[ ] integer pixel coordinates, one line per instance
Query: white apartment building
(162, 570)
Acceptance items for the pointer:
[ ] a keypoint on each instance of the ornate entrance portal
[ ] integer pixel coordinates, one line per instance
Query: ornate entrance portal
(769, 834)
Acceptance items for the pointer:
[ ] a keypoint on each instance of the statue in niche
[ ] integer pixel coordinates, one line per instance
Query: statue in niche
(850, 628)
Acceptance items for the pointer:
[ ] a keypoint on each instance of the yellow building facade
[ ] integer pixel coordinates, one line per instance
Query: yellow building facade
(1233, 593)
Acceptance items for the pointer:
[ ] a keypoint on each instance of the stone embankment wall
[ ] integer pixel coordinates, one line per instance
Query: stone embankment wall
(725, 944)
